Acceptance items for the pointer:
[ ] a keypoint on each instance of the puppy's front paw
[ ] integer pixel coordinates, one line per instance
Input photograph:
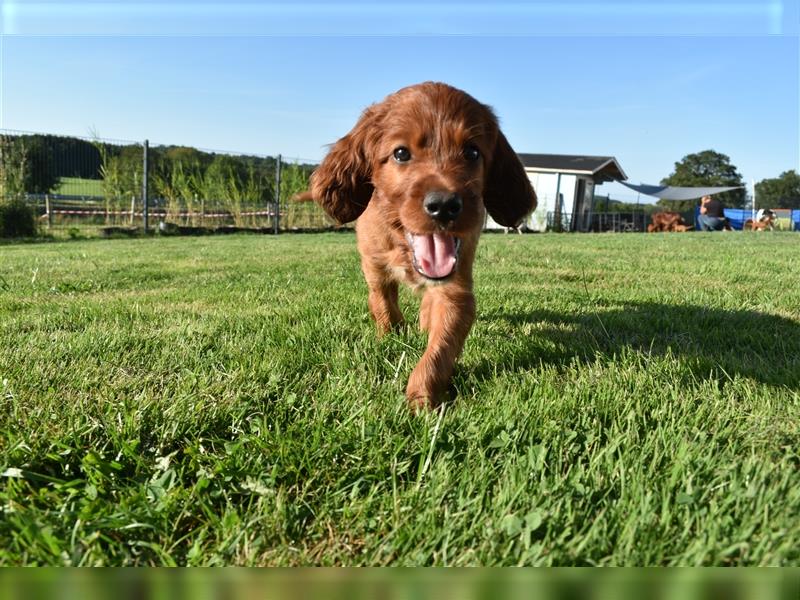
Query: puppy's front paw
(428, 397)
(418, 403)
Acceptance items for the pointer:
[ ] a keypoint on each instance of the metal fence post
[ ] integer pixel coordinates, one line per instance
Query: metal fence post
(47, 210)
(276, 219)
(145, 178)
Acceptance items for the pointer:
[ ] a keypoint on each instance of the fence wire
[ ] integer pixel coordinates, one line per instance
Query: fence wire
(85, 184)
(89, 183)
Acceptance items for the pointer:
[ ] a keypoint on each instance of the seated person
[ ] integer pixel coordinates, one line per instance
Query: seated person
(711, 215)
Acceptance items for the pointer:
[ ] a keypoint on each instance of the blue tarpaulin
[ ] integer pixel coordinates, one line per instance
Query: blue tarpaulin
(737, 216)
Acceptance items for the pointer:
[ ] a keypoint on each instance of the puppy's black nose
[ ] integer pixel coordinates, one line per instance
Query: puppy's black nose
(443, 206)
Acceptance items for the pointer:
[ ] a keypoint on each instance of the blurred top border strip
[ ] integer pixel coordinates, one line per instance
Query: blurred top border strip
(357, 18)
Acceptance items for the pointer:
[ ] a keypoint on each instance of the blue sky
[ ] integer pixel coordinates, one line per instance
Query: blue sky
(647, 82)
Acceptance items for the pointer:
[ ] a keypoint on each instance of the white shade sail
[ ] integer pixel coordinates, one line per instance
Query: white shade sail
(669, 192)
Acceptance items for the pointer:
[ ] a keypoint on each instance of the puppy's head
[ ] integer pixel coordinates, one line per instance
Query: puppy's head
(435, 160)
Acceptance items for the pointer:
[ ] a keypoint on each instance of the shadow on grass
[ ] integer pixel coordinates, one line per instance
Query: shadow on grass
(711, 342)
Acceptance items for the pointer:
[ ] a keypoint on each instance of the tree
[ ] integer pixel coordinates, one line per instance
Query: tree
(294, 179)
(779, 192)
(120, 169)
(706, 168)
(13, 166)
(26, 165)
(610, 205)
(73, 157)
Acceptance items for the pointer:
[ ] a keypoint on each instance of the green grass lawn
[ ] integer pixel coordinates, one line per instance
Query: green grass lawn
(622, 400)
(76, 186)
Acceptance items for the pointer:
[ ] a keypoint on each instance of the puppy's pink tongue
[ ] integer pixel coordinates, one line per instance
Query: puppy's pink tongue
(435, 254)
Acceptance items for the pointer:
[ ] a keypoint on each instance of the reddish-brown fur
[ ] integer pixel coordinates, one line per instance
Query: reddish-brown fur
(360, 179)
(766, 222)
(667, 221)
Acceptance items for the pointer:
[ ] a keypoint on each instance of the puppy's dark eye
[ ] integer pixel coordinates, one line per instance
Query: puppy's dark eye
(402, 154)
(471, 153)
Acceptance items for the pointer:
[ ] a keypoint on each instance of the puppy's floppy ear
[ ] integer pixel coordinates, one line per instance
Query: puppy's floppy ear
(342, 184)
(508, 193)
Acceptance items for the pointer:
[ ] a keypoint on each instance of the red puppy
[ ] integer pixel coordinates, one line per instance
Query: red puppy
(419, 171)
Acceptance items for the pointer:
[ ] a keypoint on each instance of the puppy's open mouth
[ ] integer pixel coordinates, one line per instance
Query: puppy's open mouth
(434, 254)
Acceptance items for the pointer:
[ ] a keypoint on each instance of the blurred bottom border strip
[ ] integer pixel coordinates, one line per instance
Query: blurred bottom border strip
(412, 583)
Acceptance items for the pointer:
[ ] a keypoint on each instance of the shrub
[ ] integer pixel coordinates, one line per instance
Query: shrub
(17, 219)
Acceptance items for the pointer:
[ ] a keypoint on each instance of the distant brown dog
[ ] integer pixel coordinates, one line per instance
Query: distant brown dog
(667, 221)
(419, 171)
(767, 221)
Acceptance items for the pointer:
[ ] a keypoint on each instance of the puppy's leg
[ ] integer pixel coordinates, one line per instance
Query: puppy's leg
(382, 301)
(425, 312)
(450, 314)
